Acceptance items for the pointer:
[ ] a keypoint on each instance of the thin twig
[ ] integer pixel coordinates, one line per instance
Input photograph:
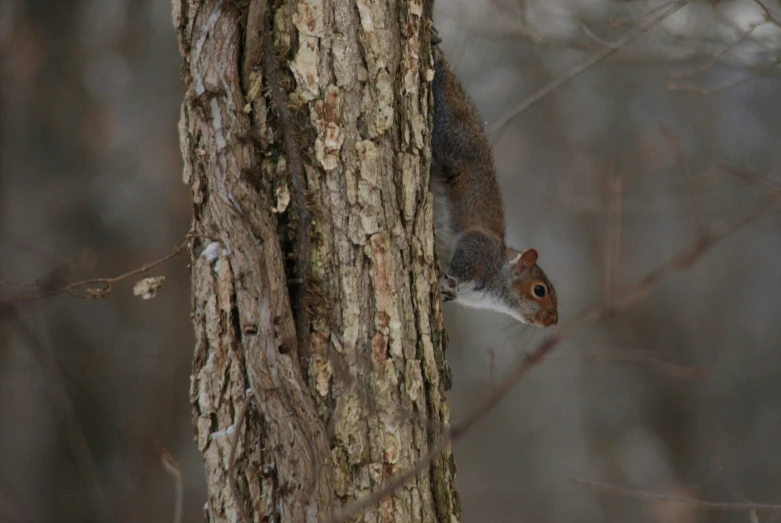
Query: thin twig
(98, 287)
(297, 179)
(651, 496)
(716, 57)
(77, 440)
(614, 238)
(590, 33)
(36, 283)
(757, 179)
(232, 458)
(682, 260)
(9, 237)
(664, 368)
(625, 21)
(735, 493)
(498, 126)
(688, 179)
(699, 91)
(14, 501)
(722, 474)
(492, 364)
(768, 14)
(172, 467)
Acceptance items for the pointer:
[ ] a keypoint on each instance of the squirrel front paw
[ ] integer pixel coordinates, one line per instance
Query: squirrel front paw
(435, 38)
(448, 288)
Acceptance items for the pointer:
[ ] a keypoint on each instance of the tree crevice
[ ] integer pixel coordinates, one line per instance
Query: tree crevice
(367, 400)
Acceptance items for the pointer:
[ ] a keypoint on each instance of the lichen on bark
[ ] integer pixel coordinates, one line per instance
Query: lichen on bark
(367, 399)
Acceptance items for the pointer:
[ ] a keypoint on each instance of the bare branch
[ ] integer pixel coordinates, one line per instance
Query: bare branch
(613, 257)
(688, 179)
(588, 32)
(492, 364)
(744, 174)
(768, 14)
(172, 467)
(721, 473)
(664, 368)
(77, 440)
(651, 496)
(14, 501)
(625, 21)
(96, 287)
(699, 91)
(498, 126)
(716, 57)
(13, 239)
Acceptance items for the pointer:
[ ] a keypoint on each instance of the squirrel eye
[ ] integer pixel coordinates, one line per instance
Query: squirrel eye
(539, 290)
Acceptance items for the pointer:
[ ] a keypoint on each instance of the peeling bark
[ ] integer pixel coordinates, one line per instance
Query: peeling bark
(333, 424)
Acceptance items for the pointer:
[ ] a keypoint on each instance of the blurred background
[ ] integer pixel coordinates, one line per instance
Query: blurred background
(679, 395)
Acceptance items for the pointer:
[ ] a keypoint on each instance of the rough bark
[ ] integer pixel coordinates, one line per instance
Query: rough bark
(334, 422)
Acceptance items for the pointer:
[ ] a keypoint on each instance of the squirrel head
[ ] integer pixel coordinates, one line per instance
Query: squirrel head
(535, 293)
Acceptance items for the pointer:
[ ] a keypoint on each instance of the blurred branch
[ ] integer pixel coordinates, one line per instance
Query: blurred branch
(768, 13)
(589, 33)
(682, 260)
(702, 34)
(9, 237)
(13, 500)
(722, 474)
(576, 200)
(700, 91)
(716, 57)
(625, 21)
(96, 287)
(665, 368)
(491, 364)
(688, 180)
(73, 431)
(172, 467)
(651, 496)
(766, 181)
(498, 126)
(613, 258)
(735, 493)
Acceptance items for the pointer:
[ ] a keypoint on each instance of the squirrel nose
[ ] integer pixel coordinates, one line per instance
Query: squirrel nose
(549, 318)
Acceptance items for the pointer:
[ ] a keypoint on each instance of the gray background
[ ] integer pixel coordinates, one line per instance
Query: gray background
(90, 182)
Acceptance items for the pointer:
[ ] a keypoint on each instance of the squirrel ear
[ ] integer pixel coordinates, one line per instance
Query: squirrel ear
(526, 261)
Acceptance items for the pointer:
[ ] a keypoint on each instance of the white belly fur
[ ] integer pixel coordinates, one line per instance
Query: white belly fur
(482, 299)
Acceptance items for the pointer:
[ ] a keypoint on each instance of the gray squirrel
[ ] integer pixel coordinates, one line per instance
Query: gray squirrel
(479, 270)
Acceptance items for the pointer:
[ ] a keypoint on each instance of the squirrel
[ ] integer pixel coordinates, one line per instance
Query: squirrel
(479, 269)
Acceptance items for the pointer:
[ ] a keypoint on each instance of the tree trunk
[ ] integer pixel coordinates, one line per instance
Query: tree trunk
(361, 397)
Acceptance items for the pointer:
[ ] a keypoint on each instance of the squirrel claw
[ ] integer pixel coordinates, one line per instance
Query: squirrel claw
(448, 288)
